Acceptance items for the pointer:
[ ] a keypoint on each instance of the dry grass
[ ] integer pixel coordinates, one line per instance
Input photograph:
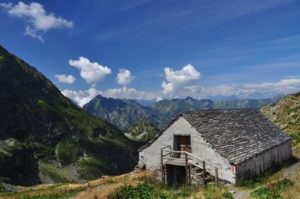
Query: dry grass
(105, 185)
(293, 192)
(296, 151)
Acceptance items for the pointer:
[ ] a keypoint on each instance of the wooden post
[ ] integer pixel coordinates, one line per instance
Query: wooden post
(204, 172)
(216, 176)
(190, 170)
(186, 169)
(162, 166)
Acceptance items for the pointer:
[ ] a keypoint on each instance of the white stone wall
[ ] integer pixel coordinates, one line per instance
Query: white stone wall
(260, 163)
(151, 155)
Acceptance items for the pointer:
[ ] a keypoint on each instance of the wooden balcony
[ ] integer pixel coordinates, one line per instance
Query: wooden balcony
(187, 160)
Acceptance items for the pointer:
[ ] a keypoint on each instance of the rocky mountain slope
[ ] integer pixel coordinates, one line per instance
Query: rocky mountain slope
(286, 113)
(124, 113)
(142, 130)
(121, 113)
(42, 132)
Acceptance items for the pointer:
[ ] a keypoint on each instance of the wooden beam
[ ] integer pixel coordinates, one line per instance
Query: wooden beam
(190, 170)
(204, 172)
(216, 176)
(162, 166)
(186, 170)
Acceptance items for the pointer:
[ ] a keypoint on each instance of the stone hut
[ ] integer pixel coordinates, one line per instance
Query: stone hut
(229, 145)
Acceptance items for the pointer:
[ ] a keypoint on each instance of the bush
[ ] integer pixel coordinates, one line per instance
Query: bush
(272, 192)
(147, 191)
(228, 195)
(67, 152)
(90, 168)
(265, 193)
(142, 191)
(283, 185)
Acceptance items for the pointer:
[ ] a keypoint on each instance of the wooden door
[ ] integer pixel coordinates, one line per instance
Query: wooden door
(182, 143)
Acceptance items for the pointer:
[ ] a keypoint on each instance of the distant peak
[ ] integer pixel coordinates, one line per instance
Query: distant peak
(99, 96)
(189, 98)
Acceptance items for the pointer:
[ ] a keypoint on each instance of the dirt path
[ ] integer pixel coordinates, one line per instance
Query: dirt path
(291, 170)
(241, 195)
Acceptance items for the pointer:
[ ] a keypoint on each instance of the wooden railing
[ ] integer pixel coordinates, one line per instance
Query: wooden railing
(189, 159)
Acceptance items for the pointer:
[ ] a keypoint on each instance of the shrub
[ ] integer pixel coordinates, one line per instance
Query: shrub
(142, 191)
(148, 191)
(90, 167)
(227, 195)
(42, 104)
(272, 192)
(265, 193)
(67, 152)
(283, 185)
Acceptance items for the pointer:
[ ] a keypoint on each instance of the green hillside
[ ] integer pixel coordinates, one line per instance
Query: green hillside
(141, 131)
(286, 113)
(39, 127)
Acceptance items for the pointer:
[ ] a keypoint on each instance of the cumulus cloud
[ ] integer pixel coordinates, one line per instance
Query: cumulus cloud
(38, 20)
(179, 78)
(92, 72)
(68, 79)
(124, 77)
(81, 97)
(243, 91)
(130, 93)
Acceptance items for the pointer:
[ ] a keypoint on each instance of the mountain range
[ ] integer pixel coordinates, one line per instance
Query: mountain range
(124, 113)
(44, 137)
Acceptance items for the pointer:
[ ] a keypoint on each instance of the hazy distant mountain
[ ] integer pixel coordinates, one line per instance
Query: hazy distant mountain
(242, 103)
(41, 131)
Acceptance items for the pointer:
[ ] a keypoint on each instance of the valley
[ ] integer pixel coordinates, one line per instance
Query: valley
(63, 143)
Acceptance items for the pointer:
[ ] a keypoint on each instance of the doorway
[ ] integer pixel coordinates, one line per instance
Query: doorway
(182, 143)
(176, 175)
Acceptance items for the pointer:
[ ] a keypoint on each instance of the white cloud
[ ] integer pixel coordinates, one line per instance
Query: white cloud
(258, 90)
(68, 79)
(92, 72)
(81, 97)
(281, 85)
(33, 33)
(129, 93)
(124, 77)
(37, 18)
(179, 78)
(244, 91)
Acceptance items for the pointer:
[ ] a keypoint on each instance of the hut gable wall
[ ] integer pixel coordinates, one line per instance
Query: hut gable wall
(261, 162)
(150, 156)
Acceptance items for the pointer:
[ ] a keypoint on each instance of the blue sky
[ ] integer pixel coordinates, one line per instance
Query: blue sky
(153, 49)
